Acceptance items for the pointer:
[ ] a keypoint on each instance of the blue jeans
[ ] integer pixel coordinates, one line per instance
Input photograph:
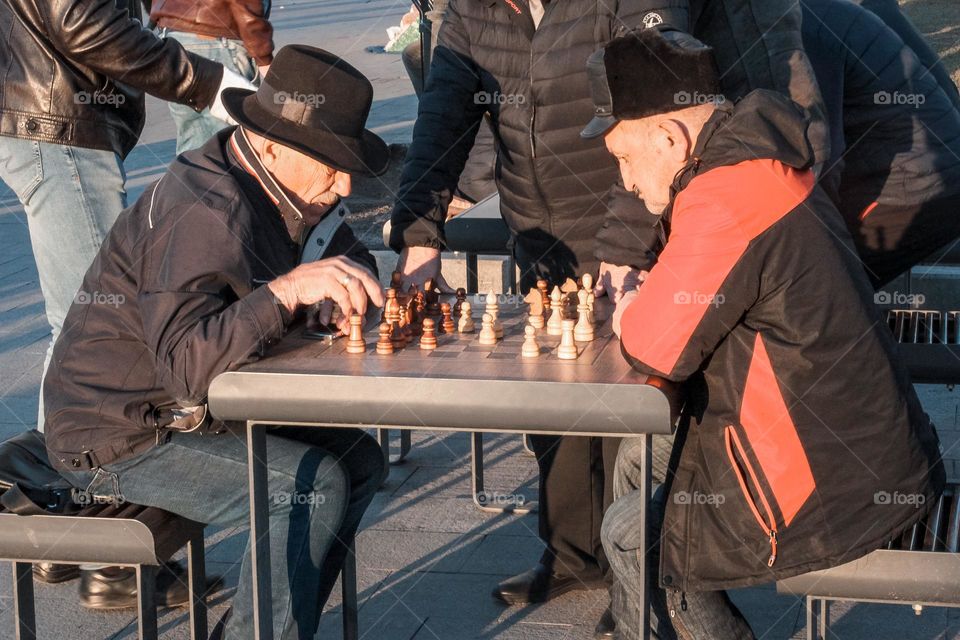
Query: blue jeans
(194, 129)
(72, 196)
(320, 482)
(705, 615)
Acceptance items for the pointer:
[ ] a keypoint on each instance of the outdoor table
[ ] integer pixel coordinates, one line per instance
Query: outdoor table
(460, 386)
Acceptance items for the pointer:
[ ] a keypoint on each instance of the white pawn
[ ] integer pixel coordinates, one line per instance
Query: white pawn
(555, 323)
(466, 323)
(583, 332)
(493, 308)
(568, 347)
(488, 337)
(587, 282)
(530, 348)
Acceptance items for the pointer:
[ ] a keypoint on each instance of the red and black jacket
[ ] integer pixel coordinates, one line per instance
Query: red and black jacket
(812, 448)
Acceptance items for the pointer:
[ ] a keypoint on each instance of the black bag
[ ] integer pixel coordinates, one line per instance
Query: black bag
(29, 485)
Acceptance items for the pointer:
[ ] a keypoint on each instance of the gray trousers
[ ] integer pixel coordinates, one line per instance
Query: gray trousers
(707, 615)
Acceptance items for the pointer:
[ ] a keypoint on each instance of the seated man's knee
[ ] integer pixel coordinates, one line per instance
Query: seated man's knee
(620, 531)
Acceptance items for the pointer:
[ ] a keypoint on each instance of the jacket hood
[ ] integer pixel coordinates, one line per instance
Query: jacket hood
(764, 125)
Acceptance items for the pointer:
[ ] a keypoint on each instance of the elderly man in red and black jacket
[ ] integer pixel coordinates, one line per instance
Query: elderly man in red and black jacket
(793, 461)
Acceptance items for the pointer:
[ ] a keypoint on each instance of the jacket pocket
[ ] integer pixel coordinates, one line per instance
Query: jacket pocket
(747, 478)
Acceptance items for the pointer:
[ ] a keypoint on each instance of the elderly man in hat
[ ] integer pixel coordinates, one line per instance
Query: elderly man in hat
(200, 276)
(759, 301)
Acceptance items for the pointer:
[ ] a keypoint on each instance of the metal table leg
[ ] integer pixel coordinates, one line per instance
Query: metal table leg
(259, 531)
(24, 611)
(473, 272)
(480, 499)
(646, 465)
(147, 602)
(197, 583)
(348, 583)
(383, 437)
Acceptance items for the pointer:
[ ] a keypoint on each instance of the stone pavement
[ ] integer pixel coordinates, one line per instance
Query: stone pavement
(427, 559)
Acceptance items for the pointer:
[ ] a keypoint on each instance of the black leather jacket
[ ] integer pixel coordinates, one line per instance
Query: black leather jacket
(74, 72)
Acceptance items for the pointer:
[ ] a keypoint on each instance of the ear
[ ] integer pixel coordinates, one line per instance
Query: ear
(676, 140)
(341, 183)
(270, 153)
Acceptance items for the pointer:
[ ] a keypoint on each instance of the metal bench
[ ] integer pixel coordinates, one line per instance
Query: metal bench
(125, 535)
(921, 568)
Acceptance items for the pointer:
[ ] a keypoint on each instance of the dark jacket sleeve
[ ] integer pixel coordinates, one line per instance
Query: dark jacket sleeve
(99, 35)
(702, 284)
(630, 234)
(200, 317)
(443, 135)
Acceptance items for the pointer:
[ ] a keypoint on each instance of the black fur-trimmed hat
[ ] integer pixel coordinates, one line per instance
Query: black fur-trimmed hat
(647, 72)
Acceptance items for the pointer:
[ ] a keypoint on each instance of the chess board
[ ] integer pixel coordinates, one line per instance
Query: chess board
(459, 385)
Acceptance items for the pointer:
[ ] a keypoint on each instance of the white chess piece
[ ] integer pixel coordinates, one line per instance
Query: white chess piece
(466, 323)
(568, 347)
(530, 348)
(583, 332)
(555, 323)
(493, 308)
(488, 337)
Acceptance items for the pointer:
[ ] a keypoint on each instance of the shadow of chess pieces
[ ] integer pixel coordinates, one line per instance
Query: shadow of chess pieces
(530, 348)
(568, 346)
(555, 323)
(466, 324)
(583, 332)
(355, 343)
(384, 344)
(488, 336)
(428, 340)
(446, 324)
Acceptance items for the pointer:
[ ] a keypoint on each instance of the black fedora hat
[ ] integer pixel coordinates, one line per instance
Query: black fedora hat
(316, 103)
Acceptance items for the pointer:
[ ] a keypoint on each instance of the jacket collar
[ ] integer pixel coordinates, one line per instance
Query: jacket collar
(519, 12)
(242, 152)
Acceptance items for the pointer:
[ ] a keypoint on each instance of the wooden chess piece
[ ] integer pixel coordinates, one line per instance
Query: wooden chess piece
(530, 348)
(428, 340)
(488, 336)
(493, 308)
(544, 288)
(396, 280)
(446, 325)
(466, 324)
(461, 297)
(587, 281)
(583, 332)
(555, 323)
(384, 344)
(591, 298)
(432, 297)
(568, 346)
(412, 327)
(355, 343)
(535, 301)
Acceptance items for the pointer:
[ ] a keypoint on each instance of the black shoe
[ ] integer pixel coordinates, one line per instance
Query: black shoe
(221, 626)
(116, 587)
(607, 627)
(55, 573)
(539, 585)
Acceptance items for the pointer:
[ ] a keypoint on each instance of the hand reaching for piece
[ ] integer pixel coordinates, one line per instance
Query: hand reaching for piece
(419, 264)
(615, 281)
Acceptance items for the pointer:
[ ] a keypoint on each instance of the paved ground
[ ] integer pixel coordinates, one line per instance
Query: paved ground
(427, 558)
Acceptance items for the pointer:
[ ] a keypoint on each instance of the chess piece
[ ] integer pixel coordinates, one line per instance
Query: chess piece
(413, 323)
(446, 326)
(530, 348)
(583, 332)
(432, 297)
(544, 290)
(591, 298)
(493, 308)
(461, 296)
(488, 336)
(428, 340)
(384, 344)
(396, 280)
(555, 323)
(587, 281)
(355, 343)
(535, 300)
(466, 324)
(568, 346)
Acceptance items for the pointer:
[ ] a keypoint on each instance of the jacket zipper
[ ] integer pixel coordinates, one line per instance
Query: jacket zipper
(769, 526)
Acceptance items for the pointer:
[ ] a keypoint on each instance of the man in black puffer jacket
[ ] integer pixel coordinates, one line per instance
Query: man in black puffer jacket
(894, 172)
(523, 62)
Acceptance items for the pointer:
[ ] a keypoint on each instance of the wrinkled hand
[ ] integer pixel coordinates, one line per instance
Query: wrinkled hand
(615, 281)
(331, 280)
(419, 264)
(622, 304)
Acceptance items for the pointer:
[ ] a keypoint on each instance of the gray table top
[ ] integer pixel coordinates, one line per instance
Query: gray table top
(461, 385)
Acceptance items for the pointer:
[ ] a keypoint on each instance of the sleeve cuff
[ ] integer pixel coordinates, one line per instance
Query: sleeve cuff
(269, 316)
(208, 75)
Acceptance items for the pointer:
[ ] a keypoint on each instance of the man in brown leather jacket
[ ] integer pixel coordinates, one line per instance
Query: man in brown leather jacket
(235, 33)
(71, 109)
